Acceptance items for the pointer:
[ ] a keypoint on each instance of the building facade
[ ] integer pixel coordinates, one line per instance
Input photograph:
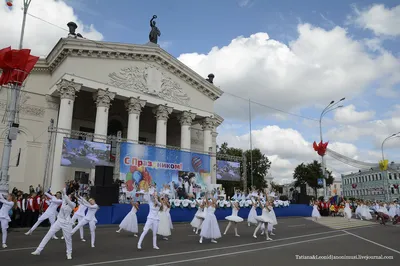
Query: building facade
(373, 184)
(96, 89)
(335, 189)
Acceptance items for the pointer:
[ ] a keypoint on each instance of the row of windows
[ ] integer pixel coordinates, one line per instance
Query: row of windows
(366, 178)
(364, 192)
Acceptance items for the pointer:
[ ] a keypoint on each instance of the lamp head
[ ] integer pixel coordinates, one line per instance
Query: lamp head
(342, 99)
(332, 102)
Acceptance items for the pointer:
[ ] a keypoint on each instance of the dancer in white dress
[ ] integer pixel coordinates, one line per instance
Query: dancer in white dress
(152, 221)
(130, 223)
(315, 212)
(198, 217)
(210, 227)
(347, 211)
(8, 204)
(164, 227)
(50, 213)
(265, 218)
(365, 212)
(63, 223)
(270, 227)
(79, 215)
(251, 218)
(90, 218)
(392, 210)
(358, 213)
(234, 218)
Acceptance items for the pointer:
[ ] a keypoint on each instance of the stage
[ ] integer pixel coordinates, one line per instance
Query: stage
(114, 214)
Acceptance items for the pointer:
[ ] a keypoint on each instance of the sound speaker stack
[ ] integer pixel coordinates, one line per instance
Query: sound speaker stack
(104, 191)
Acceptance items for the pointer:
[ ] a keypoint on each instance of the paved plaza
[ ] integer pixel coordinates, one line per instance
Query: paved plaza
(295, 237)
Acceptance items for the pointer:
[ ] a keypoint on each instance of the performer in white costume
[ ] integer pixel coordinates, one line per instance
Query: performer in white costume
(63, 223)
(90, 218)
(251, 219)
(79, 215)
(152, 221)
(198, 217)
(347, 211)
(130, 223)
(210, 227)
(8, 204)
(50, 213)
(164, 226)
(270, 227)
(234, 218)
(265, 218)
(315, 212)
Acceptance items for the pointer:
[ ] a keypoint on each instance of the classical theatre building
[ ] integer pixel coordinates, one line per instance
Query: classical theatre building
(94, 90)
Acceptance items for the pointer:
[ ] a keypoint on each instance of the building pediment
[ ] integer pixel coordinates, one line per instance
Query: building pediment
(156, 58)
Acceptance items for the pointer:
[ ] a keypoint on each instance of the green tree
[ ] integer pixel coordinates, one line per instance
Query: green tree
(261, 165)
(309, 174)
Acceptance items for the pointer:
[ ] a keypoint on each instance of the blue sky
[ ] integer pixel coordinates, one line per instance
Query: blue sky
(190, 29)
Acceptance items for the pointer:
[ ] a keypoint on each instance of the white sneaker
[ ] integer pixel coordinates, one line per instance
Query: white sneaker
(83, 240)
(201, 241)
(165, 238)
(69, 257)
(35, 253)
(54, 237)
(92, 246)
(4, 246)
(155, 247)
(135, 235)
(255, 236)
(269, 238)
(237, 235)
(28, 233)
(62, 237)
(118, 231)
(214, 241)
(272, 234)
(139, 247)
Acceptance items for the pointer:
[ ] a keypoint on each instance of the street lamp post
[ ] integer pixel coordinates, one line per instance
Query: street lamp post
(12, 110)
(385, 172)
(330, 107)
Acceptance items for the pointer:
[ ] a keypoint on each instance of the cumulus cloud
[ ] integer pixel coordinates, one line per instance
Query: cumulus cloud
(317, 67)
(349, 115)
(379, 19)
(286, 148)
(39, 35)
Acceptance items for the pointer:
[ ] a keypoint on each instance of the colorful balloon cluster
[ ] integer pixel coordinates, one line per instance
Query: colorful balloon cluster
(320, 148)
(138, 175)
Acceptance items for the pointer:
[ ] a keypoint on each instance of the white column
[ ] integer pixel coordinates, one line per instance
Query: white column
(186, 119)
(134, 106)
(67, 90)
(162, 113)
(103, 100)
(208, 127)
(214, 158)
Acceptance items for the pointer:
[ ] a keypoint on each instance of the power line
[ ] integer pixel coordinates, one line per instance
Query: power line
(228, 93)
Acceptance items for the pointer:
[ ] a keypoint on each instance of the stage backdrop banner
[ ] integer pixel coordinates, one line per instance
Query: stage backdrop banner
(142, 165)
(85, 154)
(228, 171)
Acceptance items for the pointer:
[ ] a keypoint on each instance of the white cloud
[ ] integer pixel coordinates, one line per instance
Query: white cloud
(379, 19)
(39, 35)
(317, 67)
(286, 148)
(349, 115)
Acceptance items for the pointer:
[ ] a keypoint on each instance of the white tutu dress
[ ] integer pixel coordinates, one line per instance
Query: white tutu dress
(130, 223)
(272, 215)
(169, 218)
(315, 212)
(164, 227)
(251, 218)
(196, 222)
(347, 211)
(392, 210)
(365, 212)
(358, 211)
(265, 217)
(234, 217)
(210, 227)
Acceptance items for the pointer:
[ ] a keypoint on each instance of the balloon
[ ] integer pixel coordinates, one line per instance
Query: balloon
(129, 185)
(133, 168)
(141, 169)
(137, 176)
(128, 176)
(196, 163)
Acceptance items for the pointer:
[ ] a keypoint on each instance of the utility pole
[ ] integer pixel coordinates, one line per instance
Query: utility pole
(12, 127)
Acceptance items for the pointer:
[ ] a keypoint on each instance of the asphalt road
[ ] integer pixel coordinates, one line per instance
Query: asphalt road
(294, 237)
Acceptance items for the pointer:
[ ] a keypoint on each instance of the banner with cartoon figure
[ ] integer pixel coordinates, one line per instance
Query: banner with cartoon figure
(142, 165)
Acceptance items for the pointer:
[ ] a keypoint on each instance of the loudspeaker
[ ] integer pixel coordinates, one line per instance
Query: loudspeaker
(105, 195)
(103, 176)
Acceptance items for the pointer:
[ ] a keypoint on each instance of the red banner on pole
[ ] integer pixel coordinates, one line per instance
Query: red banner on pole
(16, 65)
